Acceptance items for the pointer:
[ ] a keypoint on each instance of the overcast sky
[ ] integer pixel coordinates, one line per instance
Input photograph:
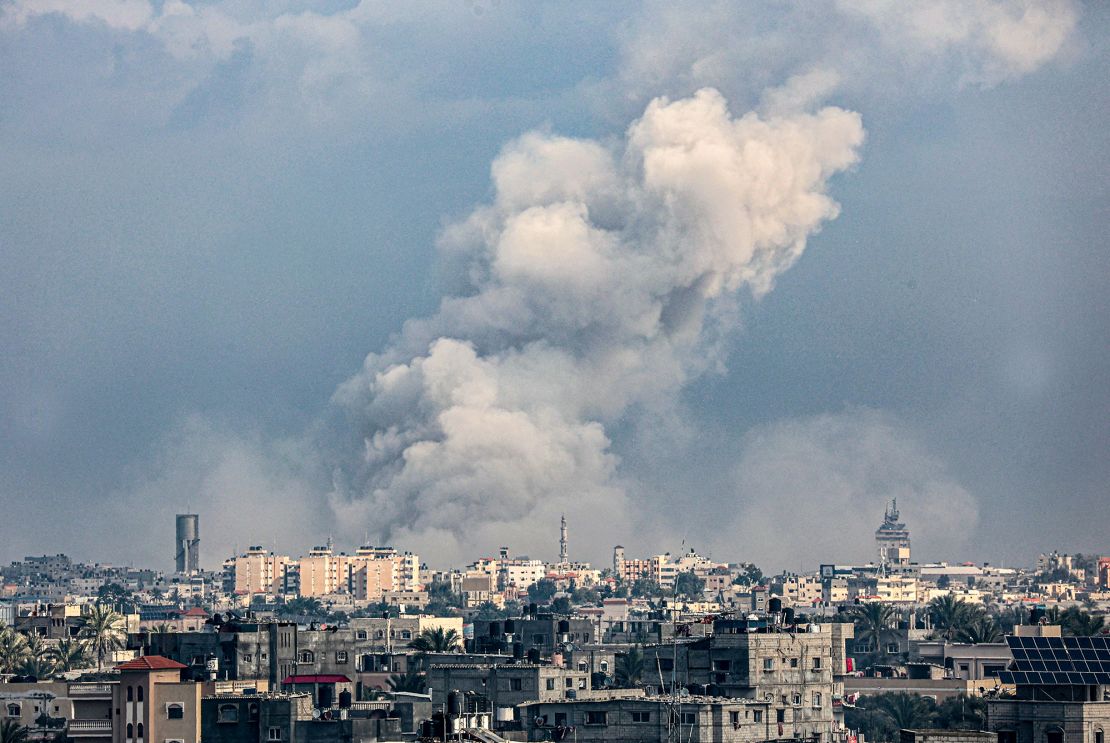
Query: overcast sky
(724, 276)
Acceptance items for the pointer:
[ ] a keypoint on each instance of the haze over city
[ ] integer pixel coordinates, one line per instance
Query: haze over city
(723, 275)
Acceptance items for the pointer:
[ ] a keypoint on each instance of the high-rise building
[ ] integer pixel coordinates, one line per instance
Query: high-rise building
(563, 550)
(893, 539)
(187, 550)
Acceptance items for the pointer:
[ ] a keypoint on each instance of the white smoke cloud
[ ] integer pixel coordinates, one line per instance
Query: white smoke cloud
(593, 272)
(813, 490)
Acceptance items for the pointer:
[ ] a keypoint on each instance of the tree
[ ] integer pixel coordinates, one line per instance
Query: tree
(303, 606)
(39, 666)
(12, 732)
(961, 712)
(629, 668)
(410, 681)
(115, 596)
(982, 628)
(905, 710)
(646, 588)
(70, 654)
(562, 605)
(1078, 623)
(542, 591)
(13, 649)
(436, 640)
(161, 629)
(103, 628)
(689, 585)
(951, 615)
(748, 575)
(873, 623)
(584, 596)
(488, 612)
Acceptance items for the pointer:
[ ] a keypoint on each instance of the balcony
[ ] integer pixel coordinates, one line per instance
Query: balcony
(86, 691)
(81, 728)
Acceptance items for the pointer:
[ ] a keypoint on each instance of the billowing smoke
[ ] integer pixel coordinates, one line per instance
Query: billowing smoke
(595, 280)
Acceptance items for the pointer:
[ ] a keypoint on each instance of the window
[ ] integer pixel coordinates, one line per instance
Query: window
(797, 699)
(139, 730)
(273, 734)
(780, 715)
(360, 635)
(139, 695)
(13, 710)
(247, 658)
(757, 715)
(892, 647)
(175, 711)
(595, 717)
(550, 684)
(768, 664)
(306, 656)
(130, 694)
(582, 683)
(722, 665)
(666, 664)
(817, 663)
(130, 731)
(581, 665)
(515, 684)
(569, 682)
(406, 634)
(641, 717)
(1098, 736)
(341, 656)
(604, 666)
(689, 718)
(227, 713)
(734, 718)
(816, 700)
(252, 712)
(793, 662)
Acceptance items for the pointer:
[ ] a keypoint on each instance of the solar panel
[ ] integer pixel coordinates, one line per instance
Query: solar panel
(1058, 661)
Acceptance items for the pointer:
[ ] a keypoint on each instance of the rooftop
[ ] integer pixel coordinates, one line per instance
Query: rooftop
(151, 663)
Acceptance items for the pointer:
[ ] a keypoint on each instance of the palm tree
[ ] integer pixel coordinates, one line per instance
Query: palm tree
(409, 681)
(103, 628)
(981, 629)
(436, 640)
(950, 615)
(70, 654)
(161, 629)
(1079, 623)
(873, 624)
(630, 668)
(13, 649)
(39, 666)
(906, 710)
(12, 732)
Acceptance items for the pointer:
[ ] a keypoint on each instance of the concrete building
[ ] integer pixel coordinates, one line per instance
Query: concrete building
(187, 550)
(692, 719)
(544, 633)
(507, 685)
(82, 710)
(1062, 691)
(152, 703)
(892, 539)
(294, 718)
(260, 572)
(235, 651)
(796, 673)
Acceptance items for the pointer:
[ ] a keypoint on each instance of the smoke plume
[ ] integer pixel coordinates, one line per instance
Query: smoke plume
(595, 278)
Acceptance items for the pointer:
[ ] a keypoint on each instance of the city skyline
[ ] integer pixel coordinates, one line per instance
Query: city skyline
(731, 276)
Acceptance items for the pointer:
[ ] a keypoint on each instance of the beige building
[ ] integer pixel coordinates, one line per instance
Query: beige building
(152, 703)
(259, 571)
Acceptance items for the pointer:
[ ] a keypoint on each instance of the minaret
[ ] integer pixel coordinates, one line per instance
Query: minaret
(563, 559)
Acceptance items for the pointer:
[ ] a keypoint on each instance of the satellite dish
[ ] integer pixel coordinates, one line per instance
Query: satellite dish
(315, 714)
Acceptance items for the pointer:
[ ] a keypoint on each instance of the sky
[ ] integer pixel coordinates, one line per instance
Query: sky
(723, 276)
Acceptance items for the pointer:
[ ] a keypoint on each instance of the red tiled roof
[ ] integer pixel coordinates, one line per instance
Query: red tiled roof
(196, 611)
(323, 678)
(150, 663)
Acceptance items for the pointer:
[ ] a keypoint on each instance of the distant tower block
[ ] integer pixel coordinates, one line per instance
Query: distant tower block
(188, 543)
(618, 561)
(893, 538)
(563, 553)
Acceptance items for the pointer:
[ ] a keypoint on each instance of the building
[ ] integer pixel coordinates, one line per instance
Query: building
(82, 710)
(260, 572)
(295, 718)
(235, 651)
(187, 549)
(507, 686)
(692, 719)
(893, 539)
(152, 703)
(795, 672)
(1062, 691)
(544, 634)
